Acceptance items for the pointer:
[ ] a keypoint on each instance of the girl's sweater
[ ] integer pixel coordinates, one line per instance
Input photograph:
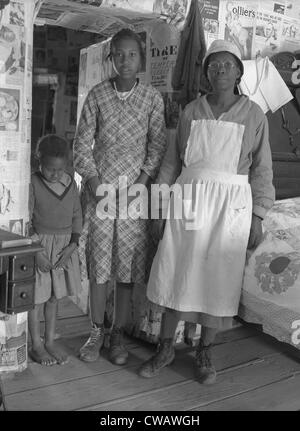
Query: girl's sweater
(52, 213)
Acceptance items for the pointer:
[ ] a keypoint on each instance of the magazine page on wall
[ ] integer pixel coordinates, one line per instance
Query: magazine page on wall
(237, 24)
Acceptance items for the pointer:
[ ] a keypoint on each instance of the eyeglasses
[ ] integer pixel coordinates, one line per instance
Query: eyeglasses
(215, 66)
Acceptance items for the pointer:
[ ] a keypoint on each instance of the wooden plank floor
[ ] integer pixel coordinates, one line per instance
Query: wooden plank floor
(255, 372)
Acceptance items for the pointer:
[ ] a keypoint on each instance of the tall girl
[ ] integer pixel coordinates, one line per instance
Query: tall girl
(121, 133)
(56, 221)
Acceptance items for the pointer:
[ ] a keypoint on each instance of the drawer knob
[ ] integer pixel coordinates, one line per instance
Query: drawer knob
(24, 268)
(23, 295)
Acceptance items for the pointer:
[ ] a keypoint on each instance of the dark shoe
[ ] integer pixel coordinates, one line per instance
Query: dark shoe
(205, 371)
(89, 352)
(118, 354)
(164, 356)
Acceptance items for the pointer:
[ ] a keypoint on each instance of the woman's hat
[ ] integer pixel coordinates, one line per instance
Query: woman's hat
(221, 46)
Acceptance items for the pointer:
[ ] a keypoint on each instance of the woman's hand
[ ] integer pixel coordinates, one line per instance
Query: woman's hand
(256, 233)
(157, 228)
(43, 263)
(123, 196)
(65, 255)
(93, 184)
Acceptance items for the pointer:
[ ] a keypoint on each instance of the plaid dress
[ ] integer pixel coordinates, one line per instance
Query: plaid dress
(118, 138)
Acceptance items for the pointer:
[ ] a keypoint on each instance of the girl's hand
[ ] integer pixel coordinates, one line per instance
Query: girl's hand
(43, 263)
(256, 233)
(65, 255)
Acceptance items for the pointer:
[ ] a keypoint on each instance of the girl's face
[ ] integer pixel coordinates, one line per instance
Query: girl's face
(53, 168)
(127, 58)
(223, 71)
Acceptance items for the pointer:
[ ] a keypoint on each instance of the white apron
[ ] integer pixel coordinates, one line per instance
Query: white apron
(200, 260)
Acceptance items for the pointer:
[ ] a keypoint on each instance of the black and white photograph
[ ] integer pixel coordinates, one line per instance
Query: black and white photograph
(149, 211)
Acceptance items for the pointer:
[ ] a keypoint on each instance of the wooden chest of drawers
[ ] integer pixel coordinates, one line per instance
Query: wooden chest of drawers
(17, 278)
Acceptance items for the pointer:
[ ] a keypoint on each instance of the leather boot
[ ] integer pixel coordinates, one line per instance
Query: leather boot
(89, 352)
(118, 354)
(164, 356)
(205, 370)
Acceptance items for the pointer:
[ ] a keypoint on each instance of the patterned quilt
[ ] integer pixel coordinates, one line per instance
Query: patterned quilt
(271, 287)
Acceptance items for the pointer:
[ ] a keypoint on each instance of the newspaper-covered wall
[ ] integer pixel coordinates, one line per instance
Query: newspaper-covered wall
(109, 16)
(257, 27)
(16, 36)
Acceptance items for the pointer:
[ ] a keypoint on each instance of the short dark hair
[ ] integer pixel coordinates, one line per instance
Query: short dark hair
(52, 146)
(127, 33)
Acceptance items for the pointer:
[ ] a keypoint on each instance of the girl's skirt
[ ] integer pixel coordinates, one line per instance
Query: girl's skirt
(57, 282)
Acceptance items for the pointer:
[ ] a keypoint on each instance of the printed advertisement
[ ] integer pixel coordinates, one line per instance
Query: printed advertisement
(237, 24)
(99, 67)
(12, 53)
(174, 11)
(161, 55)
(9, 109)
(210, 19)
(290, 34)
(94, 67)
(273, 6)
(268, 30)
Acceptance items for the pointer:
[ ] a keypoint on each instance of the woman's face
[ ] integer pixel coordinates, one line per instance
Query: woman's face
(127, 58)
(222, 71)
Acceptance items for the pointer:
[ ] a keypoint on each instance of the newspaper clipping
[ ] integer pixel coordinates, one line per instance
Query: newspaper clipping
(237, 24)
(94, 67)
(257, 27)
(161, 55)
(210, 19)
(174, 11)
(268, 33)
(290, 34)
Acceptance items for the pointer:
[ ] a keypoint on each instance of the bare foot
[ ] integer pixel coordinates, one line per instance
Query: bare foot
(41, 356)
(60, 356)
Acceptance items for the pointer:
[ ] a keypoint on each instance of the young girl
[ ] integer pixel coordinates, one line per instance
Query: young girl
(56, 222)
(222, 150)
(121, 133)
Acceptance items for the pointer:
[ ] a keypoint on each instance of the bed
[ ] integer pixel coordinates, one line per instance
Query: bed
(271, 287)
